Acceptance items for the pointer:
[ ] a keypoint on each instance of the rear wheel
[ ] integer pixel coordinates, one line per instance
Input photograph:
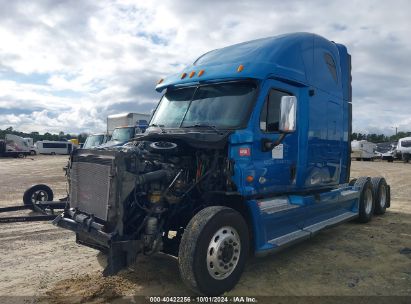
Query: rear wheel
(366, 203)
(213, 250)
(381, 195)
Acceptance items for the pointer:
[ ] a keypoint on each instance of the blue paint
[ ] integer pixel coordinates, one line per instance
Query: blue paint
(314, 159)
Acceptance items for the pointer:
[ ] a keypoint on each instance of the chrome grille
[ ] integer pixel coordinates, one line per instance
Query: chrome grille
(90, 188)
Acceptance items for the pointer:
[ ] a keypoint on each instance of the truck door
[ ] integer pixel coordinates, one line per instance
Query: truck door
(276, 169)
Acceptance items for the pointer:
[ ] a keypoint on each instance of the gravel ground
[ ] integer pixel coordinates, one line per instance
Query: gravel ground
(38, 259)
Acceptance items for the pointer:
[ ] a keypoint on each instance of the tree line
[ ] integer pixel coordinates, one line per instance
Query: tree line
(379, 138)
(375, 138)
(46, 136)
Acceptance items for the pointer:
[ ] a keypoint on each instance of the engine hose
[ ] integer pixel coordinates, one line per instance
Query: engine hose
(151, 176)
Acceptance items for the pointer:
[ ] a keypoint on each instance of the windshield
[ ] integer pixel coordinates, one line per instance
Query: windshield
(223, 105)
(123, 134)
(93, 141)
(406, 143)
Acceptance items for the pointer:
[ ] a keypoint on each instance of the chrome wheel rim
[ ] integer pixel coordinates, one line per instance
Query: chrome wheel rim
(383, 196)
(368, 201)
(223, 253)
(39, 196)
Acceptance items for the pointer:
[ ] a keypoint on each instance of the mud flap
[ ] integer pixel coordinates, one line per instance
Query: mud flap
(120, 255)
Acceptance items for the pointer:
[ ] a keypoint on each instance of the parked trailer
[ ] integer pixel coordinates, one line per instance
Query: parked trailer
(38, 198)
(248, 152)
(362, 150)
(54, 147)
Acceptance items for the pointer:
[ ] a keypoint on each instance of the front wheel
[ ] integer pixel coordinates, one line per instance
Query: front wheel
(213, 250)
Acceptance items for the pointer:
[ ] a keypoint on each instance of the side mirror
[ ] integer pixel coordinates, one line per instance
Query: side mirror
(288, 114)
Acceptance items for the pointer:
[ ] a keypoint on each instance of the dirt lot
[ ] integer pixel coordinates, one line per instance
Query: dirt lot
(38, 259)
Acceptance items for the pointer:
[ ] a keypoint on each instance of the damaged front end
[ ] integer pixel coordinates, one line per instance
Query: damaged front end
(139, 199)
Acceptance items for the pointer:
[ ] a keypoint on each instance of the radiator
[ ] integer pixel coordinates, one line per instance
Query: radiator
(90, 188)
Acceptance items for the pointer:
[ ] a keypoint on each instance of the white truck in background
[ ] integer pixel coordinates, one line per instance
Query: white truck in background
(404, 149)
(125, 120)
(362, 150)
(121, 128)
(14, 145)
(32, 147)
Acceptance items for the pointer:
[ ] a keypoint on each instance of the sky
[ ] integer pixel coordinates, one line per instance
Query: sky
(66, 65)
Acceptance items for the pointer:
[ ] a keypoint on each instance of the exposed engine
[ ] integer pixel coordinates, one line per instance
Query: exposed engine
(140, 198)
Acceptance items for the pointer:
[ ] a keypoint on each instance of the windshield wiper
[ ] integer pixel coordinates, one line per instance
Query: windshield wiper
(204, 126)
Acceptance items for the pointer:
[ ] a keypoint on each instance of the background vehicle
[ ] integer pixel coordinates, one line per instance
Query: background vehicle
(122, 135)
(248, 152)
(125, 119)
(15, 146)
(363, 150)
(54, 147)
(94, 140)
(32, 147)
(404, 149)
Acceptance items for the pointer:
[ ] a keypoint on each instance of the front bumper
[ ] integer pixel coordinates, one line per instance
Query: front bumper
(86, 226)
(120, 252)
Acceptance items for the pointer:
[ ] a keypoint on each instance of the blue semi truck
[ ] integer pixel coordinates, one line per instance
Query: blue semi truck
(247, 152)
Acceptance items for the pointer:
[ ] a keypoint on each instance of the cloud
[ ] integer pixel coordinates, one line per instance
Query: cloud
(66, 65)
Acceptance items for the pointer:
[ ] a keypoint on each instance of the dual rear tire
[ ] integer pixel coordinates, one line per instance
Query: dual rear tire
(374, 197)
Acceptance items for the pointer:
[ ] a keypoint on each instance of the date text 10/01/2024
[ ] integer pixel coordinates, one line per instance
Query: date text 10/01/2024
(234, 299)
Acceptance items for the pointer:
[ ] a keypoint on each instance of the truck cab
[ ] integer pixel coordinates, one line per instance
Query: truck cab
(247, 152)
(123, 135)
(94, 140)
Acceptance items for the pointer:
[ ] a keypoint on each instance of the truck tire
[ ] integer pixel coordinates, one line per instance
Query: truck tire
(406, 158)
(366, 201)
(213, 250)
(37, 193)
(381, 194)
(32, 152)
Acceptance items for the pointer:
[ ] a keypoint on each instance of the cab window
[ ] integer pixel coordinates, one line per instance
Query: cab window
(270, 113)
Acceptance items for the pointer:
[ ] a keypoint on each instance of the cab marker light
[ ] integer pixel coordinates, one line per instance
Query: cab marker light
(200, 73)
(183, 75)
(240, 68)
(160, 81)
(192, 74)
